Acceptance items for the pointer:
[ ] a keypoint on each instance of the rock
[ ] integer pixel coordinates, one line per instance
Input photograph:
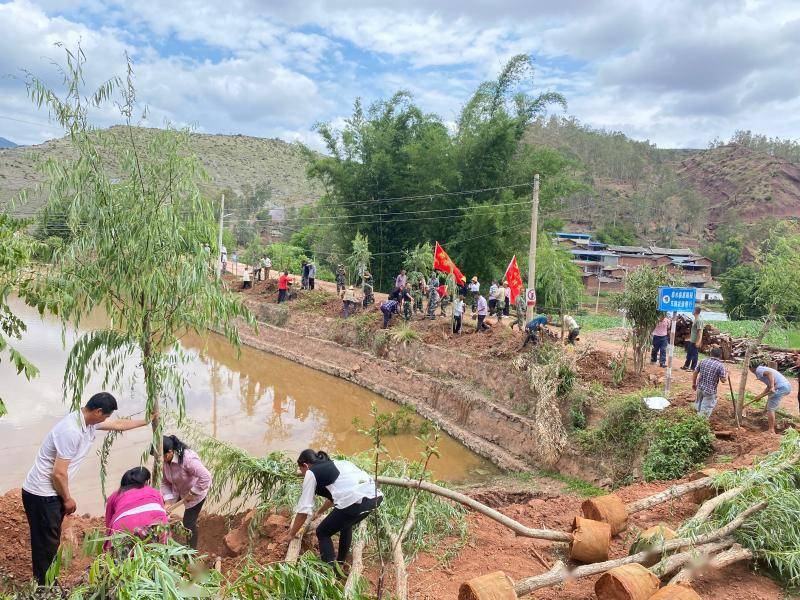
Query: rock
(236, 541)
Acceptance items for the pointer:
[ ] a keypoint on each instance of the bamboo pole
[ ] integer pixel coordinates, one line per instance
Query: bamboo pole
(515, 526)
(560, 573)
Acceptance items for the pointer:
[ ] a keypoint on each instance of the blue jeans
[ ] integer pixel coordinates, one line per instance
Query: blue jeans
(691, 356)
(660, 343)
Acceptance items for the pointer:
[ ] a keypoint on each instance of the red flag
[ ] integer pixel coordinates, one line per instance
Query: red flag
(442, 262)
(514, 279)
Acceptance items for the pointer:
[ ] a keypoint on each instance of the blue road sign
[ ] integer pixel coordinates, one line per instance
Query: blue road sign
(676, 299)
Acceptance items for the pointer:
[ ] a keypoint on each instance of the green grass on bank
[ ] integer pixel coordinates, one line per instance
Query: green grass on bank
(784, 338)
(597, 322)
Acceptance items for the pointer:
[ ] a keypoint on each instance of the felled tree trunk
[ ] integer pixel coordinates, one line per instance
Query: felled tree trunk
(358, 561)
(721, 560)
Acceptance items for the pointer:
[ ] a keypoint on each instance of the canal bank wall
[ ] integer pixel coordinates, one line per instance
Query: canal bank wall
(463, 396)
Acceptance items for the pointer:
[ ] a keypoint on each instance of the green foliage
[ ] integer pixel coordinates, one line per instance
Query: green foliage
(418, 262)
(787, 148)
(403, 333)
(16, 250)
(253, 252)
(314, 300)
(361, 256)
(136, 248)
(308, 578)
(393, 149)
(148, 570)
(559, 286)
(598, 322)
(725, 251)
(778, 284)
(622, 234)
(639, 300)
(574, 485)
(679, 444)
(286, 257)
(737, 286)
(773, 534)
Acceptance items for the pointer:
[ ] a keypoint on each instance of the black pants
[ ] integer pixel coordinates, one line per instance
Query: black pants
(691, 356)
(281, 296)
(530, 336)
(457, 324)
(481, 325)
(190, 516)
(573, 335)
(492, 306)
(387, 317)
(311, 283)
(659, 351)
(45, 515)
(342, 521)
(246, 285)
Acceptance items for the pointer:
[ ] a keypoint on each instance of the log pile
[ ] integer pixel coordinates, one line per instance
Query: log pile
(734, 348)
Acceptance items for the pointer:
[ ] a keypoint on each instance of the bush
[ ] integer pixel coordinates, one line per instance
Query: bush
(275, 315)
(678, 444)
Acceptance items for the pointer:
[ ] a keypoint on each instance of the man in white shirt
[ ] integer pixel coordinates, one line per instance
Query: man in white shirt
(45, 494)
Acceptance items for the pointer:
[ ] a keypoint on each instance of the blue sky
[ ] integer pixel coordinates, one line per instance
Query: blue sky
(678, 72)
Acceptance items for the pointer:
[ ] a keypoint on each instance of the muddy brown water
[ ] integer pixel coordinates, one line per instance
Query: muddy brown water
(255, 400)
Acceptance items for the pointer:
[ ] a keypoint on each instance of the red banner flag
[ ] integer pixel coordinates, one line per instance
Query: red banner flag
(514, 279)
(442, 262)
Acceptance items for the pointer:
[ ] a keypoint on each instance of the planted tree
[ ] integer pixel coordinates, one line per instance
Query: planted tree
(361, 256)
(136, 245)
(639, 300)
(558, 280)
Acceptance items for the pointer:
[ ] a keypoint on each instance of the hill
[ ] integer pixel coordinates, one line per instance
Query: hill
(652, 190)
(232, 162)
(4, 143)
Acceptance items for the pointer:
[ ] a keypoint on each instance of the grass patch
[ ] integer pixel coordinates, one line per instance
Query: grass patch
(403, 334)
(575, 485)
(313, 300)
(670, 444)
(598, 322)
(784, 338)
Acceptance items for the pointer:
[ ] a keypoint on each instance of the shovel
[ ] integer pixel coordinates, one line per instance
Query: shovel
(733, 400)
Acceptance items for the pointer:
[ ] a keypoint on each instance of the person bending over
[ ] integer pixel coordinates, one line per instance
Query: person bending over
(776, 387)
(351, 493)
(135, 507)
(533, 328)
(186, 480)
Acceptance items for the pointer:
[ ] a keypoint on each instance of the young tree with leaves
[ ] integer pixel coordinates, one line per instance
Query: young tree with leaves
(639, 300)
(136, 248)
(559, 286)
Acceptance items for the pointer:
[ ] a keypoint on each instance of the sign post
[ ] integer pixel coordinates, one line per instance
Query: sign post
(674, 300)
(530, 297)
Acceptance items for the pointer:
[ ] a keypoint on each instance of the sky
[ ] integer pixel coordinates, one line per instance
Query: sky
(676, 72)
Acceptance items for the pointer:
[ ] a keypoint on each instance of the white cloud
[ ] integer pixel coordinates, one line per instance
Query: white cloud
(678, 73)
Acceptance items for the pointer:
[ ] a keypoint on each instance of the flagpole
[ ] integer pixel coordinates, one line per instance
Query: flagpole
(532, 248)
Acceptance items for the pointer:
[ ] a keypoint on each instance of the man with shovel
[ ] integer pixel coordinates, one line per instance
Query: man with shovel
(708, 374)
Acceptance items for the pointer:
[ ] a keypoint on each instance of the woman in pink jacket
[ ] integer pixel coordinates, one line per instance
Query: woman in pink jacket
(135, 507)
(187, 479)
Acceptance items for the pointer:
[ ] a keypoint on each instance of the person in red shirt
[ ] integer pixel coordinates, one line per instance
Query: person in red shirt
(444, 298)
(284, 281)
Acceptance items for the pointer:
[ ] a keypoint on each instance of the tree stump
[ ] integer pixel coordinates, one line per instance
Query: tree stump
(492, 586)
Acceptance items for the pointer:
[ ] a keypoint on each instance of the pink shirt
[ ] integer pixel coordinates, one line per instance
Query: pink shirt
(183, 478)
(134, 510)
(662, 328)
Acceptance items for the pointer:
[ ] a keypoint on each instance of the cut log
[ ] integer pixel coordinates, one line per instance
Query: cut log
(396, 539)
(672, 492)
(358, 561)
(492, 586)
(711, 505)
(628, 582)
(591, 540)
(721, 560)
(670, 564)
(560, 573)
(608, 509)
(296, 543)
(515, 526)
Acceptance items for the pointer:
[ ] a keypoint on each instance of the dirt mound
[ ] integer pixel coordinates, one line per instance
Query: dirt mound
(15, 547)
(596, 366)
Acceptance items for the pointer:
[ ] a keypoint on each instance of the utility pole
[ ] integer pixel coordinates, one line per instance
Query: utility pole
(532, 249)
(219, 237)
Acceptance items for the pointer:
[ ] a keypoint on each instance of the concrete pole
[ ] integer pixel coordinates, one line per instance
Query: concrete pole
(532, 248)
(219, 237)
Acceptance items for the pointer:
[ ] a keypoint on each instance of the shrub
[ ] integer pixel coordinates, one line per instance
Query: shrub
(275, 315)
(403, 334)
(678, 443)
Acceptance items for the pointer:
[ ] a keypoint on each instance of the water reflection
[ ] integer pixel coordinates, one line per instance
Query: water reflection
(256, 400)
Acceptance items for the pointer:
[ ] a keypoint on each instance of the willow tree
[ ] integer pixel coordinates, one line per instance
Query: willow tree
(138, 225)
(559, 286)
(15, 254)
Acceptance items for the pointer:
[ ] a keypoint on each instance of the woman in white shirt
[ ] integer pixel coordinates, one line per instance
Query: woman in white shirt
(350, 491)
